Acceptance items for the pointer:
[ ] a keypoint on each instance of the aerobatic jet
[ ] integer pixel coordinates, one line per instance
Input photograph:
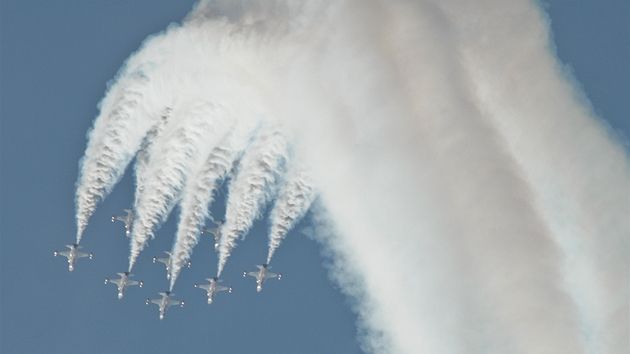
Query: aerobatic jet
(73, 255)
(261, 275)
(216, 231)
(167, 262)
(126, 219)
(165, 302)
(213, 288)
(123, 283)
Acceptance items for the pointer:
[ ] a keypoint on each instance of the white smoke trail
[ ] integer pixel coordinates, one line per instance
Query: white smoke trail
(169, 166)
(142, 158)
(294, 200)
(112, 144)
(197, 198)
(132, 105)
(577, 172)
(344, 270)
(485, 199)
(253, 187)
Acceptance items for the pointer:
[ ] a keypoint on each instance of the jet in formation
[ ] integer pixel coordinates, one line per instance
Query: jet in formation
(128, 219)
(123, 283)
(167, 262)
(261, 275)
(217, 233)
(73, 254)
(165, 302)
(213, 288)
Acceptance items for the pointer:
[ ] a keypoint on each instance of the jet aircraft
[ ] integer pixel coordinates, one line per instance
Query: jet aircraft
(216, 231)
(123, 283)
(213, 288)
(168, 262)
(73, 255)
(261, 275)
(165, 302)
(126, 219)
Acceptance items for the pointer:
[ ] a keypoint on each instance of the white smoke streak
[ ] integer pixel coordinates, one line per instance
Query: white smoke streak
(112, 144)
(577, 172)
(343, 269)
(168, 169)
(142, 158)
(253, 187)
(512, 269)
(197, 198)
(294, 200)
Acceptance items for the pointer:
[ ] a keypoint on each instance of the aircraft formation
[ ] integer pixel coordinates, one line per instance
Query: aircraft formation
(166, 301)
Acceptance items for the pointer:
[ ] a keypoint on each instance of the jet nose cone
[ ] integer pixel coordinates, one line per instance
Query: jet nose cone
(70, 268)
(120, 295)
(161, 317)
(258, 288)
(209, 301)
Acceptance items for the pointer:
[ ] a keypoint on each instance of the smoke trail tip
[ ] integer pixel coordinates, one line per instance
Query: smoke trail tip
(269, 256)
(219, 269)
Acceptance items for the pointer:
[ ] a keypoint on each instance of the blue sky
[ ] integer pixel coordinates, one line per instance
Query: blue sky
(56, 58)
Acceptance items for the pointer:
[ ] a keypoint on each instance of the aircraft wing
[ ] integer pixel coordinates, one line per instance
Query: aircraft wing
(271, 275)
(173, 302)
(206, 287)
(115, 281)
(221, 288)
(82, 254)
(131, 282)
(254, 274)
(65, 254)
(157, 301)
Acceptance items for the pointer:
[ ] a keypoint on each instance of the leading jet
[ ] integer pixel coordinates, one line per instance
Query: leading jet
(123, 283)
(261, 275)
(168, 262)
(165, 302)
(213, 288)
(73, 255)
(128, 219)
(216, 231)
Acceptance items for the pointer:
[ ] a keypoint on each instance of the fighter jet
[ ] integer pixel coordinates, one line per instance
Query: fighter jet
(165, 302)
(261, 275)
(168, 262)
(216, 231)
(73, 255)
(123, 283)
(213, 287)
(126, 219)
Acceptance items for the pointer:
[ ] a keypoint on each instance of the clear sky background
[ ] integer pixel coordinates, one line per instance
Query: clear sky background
(56, 57)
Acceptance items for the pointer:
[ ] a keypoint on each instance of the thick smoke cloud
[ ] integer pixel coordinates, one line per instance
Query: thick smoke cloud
(467, 197)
